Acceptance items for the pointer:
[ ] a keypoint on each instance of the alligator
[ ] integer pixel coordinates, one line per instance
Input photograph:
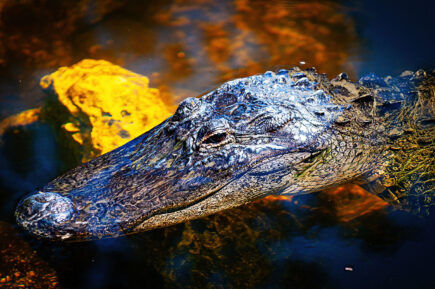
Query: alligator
(287, 132)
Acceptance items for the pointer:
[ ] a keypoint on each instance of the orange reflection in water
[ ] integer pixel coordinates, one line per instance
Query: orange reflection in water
(242, 37)
(350, 201)
(186, 47)
(344, 203)
(273, 198)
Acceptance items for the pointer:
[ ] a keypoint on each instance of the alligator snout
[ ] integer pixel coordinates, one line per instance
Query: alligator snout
(44, 210)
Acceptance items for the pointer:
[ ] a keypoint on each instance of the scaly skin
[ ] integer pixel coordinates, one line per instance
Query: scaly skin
(292, 132)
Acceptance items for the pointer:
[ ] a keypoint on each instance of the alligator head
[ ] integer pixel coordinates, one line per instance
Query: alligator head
(249, 138)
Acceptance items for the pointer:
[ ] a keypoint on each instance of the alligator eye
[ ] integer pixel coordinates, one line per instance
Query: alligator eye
(214, 133)
(215, 138)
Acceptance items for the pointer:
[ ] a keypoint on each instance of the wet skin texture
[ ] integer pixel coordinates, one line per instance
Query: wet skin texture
(289, 132)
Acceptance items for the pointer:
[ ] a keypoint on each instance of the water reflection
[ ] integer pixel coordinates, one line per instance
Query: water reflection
(272, 243)
(187, 47)
(278, 242)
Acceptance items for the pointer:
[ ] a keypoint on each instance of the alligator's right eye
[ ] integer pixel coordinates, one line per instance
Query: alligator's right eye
(215, 138)
(215, 133)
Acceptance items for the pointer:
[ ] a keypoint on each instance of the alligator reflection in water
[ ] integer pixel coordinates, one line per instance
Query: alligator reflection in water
(272, 243)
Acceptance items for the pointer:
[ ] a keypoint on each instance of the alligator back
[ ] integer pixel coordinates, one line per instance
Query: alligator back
(400, 111)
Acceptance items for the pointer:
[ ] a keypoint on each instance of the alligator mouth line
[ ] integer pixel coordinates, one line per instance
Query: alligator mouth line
(255, 164)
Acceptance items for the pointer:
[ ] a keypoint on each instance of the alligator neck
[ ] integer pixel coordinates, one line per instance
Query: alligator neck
(408, 133)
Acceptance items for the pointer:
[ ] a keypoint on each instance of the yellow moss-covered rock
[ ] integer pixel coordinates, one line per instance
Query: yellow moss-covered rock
(109, 105)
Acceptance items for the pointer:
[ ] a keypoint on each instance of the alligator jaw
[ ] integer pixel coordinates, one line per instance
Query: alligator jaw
(232, 195)
(68, 215)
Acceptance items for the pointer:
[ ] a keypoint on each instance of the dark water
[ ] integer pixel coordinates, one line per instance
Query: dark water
(187, 47)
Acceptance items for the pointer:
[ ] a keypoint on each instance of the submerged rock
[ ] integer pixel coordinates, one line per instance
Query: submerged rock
(107, 105)
(95, 107)
(20, 119)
